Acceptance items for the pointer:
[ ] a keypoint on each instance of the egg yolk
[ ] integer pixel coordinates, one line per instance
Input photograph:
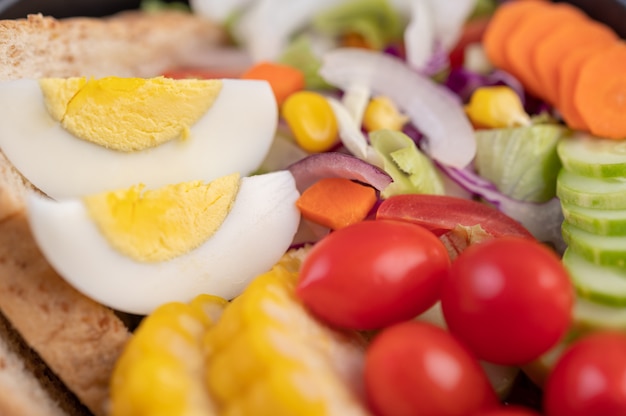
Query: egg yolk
(158, 225)
(128, 114)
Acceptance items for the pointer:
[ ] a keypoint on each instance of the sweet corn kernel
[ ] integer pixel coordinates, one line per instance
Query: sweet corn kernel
(268, 356)
(382, 113)
(496, 107)
(160, 372)
(311, 120)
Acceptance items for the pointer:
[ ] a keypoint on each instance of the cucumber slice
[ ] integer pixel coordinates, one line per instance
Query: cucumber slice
(587, 155)
(591, 316)
(606, 285)
(521, 162)
(588, 192)
(598, 221)
(598, 249)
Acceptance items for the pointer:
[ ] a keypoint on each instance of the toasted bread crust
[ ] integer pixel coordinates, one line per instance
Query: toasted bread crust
(27, 385)
(79, 339)
(128, 44)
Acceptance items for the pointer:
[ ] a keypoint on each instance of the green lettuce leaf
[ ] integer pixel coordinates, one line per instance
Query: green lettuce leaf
(376, 20)
(299, 54)
(521, 162)
(411, 170)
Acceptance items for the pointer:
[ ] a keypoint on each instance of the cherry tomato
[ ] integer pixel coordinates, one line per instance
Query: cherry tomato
(415, 368)
(589, 378)
(441, 213)
(509, 299)
(509, 411)
(373, 273)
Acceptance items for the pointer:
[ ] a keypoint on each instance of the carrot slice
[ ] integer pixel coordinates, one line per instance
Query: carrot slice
(529, 33)
(600, 94)
(551, 51)
(502, 25)
(336, 202)
(284, 79)
(568, 73)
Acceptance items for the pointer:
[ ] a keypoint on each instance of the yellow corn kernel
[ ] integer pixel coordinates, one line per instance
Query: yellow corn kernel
(268, 356)
(496, 107)
(311, 120)
(382, 113)
(160, 371)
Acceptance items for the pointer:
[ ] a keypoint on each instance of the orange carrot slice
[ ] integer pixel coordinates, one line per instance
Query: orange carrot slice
(502, 25)
(551, 51)
(529, 33)
(336, 202)
(284, 79)
(568, 73)
(600, 95)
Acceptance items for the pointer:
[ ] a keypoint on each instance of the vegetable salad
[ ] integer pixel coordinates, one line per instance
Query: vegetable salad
(461, 174)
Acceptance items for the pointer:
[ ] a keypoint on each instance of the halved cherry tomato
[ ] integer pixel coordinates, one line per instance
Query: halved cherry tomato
(441, 213)
(589, 378)
(415, 368)
(373, 273)
(508, 299)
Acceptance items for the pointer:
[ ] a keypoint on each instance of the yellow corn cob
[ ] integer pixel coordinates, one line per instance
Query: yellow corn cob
(268, 356)
(161, 369)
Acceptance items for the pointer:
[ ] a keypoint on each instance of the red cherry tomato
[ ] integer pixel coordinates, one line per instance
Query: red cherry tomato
(415, 368)
(509, 411)
(373, 273)
(509, 299)
(589, 378)
(441, 213)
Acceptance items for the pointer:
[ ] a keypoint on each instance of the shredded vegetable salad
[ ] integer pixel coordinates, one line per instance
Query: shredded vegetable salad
(462, 241)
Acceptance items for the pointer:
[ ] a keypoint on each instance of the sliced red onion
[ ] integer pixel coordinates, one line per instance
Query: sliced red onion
(333, 164)
(543, 220)
(432, 108)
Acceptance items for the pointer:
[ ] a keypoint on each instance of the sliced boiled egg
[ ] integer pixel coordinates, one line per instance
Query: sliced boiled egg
(77, 136)
(136, 249)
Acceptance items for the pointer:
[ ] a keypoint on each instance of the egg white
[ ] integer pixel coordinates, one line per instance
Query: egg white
(255, 234)
(233, 136)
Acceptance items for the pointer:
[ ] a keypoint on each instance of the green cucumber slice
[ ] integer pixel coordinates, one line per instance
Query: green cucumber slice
(600, 284)
(587, 155)
(598, 221)
(598, 249)
(591, 316)
(588, 192)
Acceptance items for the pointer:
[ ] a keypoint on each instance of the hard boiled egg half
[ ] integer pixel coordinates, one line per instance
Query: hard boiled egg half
(137, 248)
(77, 136)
